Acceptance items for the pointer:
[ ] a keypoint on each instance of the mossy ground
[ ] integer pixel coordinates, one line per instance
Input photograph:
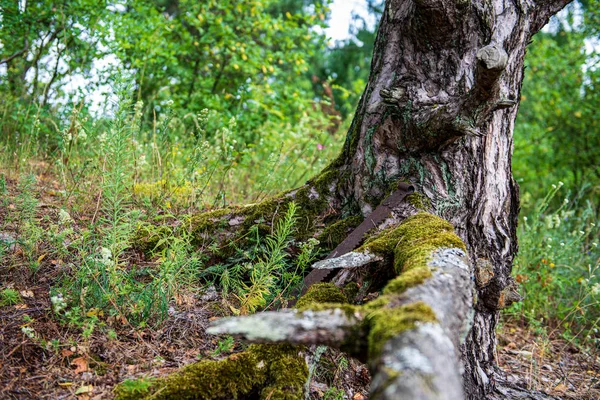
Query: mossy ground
(276, 372)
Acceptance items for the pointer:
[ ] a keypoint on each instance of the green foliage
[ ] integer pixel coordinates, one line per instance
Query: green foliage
(130, 388)
(9, 297)
(343, 70)
(224, 346)
(557, 135)
(334, 394)
(31, 31)
(243, 59)
(558, 264)
(105, 284)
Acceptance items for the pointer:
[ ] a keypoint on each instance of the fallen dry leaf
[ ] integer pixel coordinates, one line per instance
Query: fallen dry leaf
(561, 387)
(81, 365)
(84, 389)
(83, 393)
(67, 353)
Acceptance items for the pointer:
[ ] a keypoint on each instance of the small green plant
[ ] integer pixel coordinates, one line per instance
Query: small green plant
(334, 394)
(132, 387)
(257, 277)
(28, 232)
(111, 334)
(3, 189)
(224, 346)
(9, 297)
(319, 351)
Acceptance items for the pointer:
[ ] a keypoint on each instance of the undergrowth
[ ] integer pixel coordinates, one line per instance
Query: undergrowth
(558, 266)
(111, 181)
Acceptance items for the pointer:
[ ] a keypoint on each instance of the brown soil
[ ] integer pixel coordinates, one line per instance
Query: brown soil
(549, 364)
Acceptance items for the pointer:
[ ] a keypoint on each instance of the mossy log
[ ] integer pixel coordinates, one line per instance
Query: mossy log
(410, 335)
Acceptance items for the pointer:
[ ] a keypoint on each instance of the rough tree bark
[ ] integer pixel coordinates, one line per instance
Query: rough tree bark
(438, 111)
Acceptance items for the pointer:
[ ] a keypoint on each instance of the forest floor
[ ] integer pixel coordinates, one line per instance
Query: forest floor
(541, 359)
(43, 357)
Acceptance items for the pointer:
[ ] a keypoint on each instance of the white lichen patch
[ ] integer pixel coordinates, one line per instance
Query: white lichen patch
(349, 260)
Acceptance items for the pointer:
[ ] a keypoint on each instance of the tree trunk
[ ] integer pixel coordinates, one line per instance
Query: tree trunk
(439, 111)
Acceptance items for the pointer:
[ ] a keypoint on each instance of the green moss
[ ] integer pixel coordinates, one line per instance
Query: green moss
(386, 323)
(321, 293)
(419, 201)
(410, 257)
(287, 376)
(277, 371)
(206, 221)
(413, 241)
(351, 291)
(335, 234)
(407, 279)
(312, 200)
(322, 181)
(262, 212)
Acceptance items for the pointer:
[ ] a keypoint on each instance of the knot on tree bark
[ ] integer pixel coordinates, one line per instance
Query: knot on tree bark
(492, 57)
(491, 62)
(428, 125)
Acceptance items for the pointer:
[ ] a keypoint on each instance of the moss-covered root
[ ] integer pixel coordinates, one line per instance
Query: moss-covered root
(412, 245)
(277, 372)
(321, 293)
(413, 241)
(385, 323)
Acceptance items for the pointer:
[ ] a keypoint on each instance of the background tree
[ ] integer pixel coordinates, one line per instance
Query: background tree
(245, 60)
(557, 130)
(344, 66)
(44, 42)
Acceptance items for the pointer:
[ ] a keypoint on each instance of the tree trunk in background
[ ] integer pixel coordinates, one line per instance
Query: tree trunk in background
(439, 111)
